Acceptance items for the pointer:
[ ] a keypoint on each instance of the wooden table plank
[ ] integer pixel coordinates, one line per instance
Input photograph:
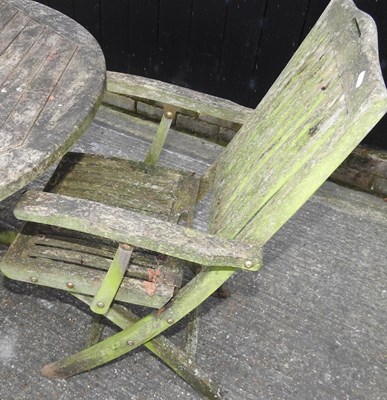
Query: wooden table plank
(16, 52)
(7, 13)
(36, 95)
(29, 87)
(52, 75)
(12, 28)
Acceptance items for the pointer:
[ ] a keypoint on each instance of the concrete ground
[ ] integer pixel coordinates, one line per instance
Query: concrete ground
(310, 325)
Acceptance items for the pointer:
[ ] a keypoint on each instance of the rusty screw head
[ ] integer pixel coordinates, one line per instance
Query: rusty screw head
(248, 264)
(125, 246)
(169, 114)
(70, 285)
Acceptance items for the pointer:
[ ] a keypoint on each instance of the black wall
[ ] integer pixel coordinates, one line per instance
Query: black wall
(230, 48)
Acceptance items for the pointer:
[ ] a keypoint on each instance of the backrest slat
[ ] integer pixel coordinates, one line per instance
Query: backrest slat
(327, 99)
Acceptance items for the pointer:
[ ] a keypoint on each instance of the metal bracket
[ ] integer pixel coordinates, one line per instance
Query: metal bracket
(112, 281)
(161, 134)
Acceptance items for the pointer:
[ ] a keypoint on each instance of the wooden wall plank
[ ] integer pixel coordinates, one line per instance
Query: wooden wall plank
(205, 43)
(143, 31)
(280, 38)
(115, 35)
(243, 28)
(174, 33)
(64, 6)
(88, 14)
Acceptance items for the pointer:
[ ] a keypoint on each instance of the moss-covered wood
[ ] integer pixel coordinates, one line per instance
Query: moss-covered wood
(177, 96)
(112, 280)
(139, 230)
(179, 361)
(77, 262)
(161, 134)
(329, 96)
(327, 99)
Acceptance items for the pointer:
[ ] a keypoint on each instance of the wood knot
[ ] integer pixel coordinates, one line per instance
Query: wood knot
(313, 130)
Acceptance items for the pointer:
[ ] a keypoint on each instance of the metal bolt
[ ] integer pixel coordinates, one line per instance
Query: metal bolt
(34, 279)
(169, 114)
(248, 264)
(170, 321)
(130, 343)
(70, 285)
(125, 246)
(100, 304)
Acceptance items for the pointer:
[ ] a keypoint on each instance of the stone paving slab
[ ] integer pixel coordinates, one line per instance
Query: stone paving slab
(310, 325)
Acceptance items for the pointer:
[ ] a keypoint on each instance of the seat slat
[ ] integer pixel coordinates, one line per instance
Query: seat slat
(71, 277)
(72, 247)
(125, 184)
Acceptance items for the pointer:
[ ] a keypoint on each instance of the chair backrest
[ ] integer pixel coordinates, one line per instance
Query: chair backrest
(326, 100)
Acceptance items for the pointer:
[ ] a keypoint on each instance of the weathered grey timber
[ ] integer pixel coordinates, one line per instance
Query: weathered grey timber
(328, 98)
(137, 229)
(309, 325)
(52, 76)
(365, 169)
(177, 96)
(56, 258)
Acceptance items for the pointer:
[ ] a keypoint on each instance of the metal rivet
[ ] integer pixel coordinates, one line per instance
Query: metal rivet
(70, 285)
(170, 321)
(130, 343)
(34, 279)
(100, 304)
(169, 114)
(248, 264)
(125, 246)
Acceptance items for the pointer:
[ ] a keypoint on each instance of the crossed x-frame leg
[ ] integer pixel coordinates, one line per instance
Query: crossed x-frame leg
(144, 331)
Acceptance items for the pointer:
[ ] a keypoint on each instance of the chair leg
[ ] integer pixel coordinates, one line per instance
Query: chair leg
(179, 361)
(193, 294)
(192, 333)
(223, 292)
(96, 330)
(7, 236)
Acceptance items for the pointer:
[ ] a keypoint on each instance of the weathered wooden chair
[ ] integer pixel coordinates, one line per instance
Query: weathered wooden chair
(100, 214)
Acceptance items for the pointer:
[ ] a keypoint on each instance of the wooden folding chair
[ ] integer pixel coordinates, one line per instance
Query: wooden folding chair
(125, 217)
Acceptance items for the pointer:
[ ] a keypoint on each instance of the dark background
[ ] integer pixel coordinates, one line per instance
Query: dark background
(230, 48)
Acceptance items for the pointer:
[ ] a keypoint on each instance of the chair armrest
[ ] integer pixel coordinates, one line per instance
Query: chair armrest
(166, 93)
(138, 230)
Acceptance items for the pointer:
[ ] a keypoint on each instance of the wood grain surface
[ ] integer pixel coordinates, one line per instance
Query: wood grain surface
(52, 74)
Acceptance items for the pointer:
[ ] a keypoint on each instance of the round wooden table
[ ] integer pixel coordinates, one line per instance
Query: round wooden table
(52, 77)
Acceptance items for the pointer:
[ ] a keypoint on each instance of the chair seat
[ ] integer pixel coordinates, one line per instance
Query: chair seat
(78, 262)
